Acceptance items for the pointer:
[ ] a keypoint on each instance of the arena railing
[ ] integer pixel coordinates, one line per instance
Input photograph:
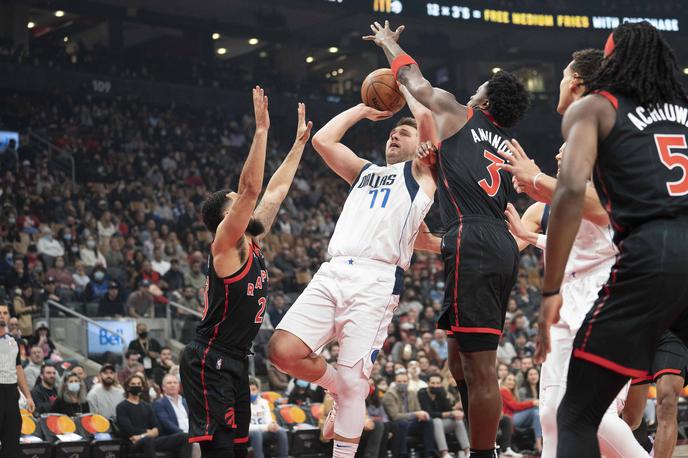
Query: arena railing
(82, 346)
(54, 149)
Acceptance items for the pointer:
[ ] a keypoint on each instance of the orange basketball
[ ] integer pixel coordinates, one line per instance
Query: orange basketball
(380, 91)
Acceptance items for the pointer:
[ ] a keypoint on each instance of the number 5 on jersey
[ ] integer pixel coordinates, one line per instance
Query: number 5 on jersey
(492, 187)
(665, 145)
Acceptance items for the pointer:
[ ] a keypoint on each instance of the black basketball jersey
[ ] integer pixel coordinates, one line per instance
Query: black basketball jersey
(641, 173)
(470, 182)
(235, 305)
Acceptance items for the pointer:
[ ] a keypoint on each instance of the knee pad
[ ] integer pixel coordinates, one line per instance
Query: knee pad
(352, 383)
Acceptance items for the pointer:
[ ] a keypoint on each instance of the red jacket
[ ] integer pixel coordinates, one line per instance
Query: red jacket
(511, 405)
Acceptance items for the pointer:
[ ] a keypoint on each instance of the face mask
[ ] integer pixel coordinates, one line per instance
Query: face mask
(135, 390)
(254, 397)
(143, 334)
(74, 387)
(75, 248)
(67, 236)
(437, 391)
(48, 237)
(91, 244)
(99, 276)
(12, 220)
(302, 383)
(402, 387)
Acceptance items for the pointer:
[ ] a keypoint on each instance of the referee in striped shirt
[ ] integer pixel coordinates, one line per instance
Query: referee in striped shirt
(11, 375)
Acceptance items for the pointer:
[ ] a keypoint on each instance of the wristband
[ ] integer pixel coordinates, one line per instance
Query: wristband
(401, 60)
(535, 180)
(550, 293)
(541, 241)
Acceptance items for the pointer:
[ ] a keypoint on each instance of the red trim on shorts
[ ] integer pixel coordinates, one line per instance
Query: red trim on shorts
(607, 95)
(200, 438)
(665, 372)
(455, 302)
(205, 355)
(472, 330)
(240, 440)
(238, 276)
(641, 380)
(606, 288)
(612, 366)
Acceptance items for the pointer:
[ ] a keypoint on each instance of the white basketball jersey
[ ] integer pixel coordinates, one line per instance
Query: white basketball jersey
(381, 216)
(592, 249)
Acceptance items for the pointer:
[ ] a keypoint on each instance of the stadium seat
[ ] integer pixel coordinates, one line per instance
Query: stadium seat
(271, 397)
(303, 441)
(90, 425)
(54, 425)
(315, 412)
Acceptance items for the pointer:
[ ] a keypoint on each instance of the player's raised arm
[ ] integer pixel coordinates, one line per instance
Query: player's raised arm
(541, 187)
(327, 141)
(423, 169)
(281, 180)
(450, 115)
(234, 224)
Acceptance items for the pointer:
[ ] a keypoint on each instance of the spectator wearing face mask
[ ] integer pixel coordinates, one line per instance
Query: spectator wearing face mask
(147, 347)
(72, 399)
(98, 286)
(81, 280)
(90, 255)
(104, 396)
(304, 392)
(263, 426)
(433, 400)
(112, 304)
(49, 247)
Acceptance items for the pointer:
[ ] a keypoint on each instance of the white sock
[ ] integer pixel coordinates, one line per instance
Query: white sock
(328, 379)
(344, 449)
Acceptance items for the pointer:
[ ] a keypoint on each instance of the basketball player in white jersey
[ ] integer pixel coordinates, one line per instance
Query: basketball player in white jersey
(352, 297)
(588, 268)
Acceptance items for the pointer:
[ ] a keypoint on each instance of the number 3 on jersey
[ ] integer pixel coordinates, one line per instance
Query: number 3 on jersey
(492, 187)
(665, 145)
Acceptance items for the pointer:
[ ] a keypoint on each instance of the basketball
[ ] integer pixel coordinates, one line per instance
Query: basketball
(380, 91)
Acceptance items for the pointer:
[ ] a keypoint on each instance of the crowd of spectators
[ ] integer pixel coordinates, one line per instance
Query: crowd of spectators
(127, 238)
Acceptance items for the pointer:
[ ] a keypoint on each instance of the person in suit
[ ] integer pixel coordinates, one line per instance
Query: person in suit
(171, 410)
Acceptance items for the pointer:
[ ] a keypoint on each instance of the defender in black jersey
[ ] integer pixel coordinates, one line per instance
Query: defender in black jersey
(630, 132)
(214, 366)
(481, 256)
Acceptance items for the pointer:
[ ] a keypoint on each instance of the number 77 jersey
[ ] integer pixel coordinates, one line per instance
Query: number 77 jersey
(641, 172)
(381, 216)
(470, 180)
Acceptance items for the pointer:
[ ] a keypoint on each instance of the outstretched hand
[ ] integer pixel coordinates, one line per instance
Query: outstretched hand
(303, 128)
(373, 114)
(260, 109)
(383, 33)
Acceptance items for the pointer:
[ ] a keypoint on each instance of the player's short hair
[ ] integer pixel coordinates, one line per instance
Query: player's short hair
(407, 121)
(508, 97)
(213, 209)
(439, 376)
(252, 381)
(586, 62)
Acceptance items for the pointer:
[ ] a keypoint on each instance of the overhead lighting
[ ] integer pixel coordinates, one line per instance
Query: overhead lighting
(222, 51)
(216, 36)
(30, 25)
(327, 75)
(333, 73)
(340, 71)
(253, 41)
(685, 71)
(65, 39)
(59, 13)
(496, 69)
(333, 49)
(309, 59)
(263, 54)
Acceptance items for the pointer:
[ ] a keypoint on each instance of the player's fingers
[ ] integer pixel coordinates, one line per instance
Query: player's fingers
(508, 167)
(506, 156)
(520, 149)
(368, 37)
(377, 24)
(513, 149)
(400, 29)
(386, 24)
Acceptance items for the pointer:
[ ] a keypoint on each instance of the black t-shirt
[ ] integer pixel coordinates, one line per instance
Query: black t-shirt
(43, 398)
(134, 419)
(434, 407)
